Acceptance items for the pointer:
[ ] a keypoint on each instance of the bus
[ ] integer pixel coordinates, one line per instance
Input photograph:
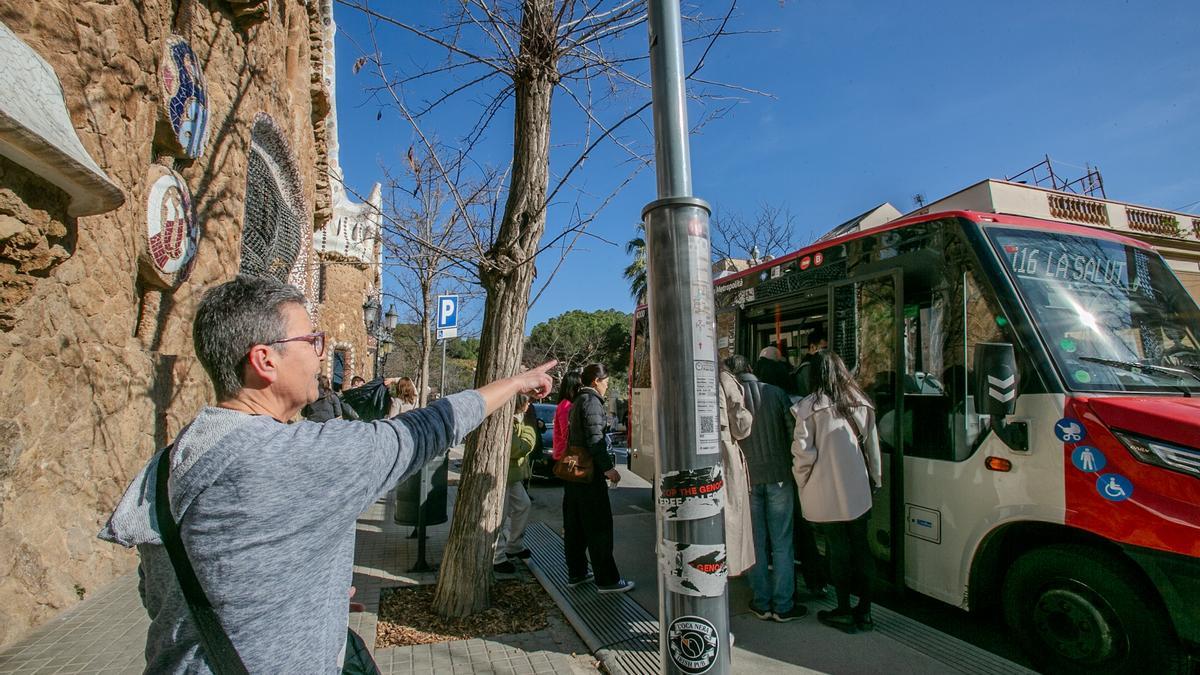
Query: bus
(1036, 387)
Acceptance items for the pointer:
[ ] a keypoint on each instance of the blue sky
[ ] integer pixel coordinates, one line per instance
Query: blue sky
(873, 102)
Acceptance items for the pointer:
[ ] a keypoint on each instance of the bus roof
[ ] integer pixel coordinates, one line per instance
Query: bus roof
(976, 216)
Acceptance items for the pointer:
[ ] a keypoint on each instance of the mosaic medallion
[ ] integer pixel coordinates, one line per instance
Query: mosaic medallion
(185, 96)
(171, 230)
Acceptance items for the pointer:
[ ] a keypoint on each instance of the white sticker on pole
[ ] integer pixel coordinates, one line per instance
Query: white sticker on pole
(692, 494)
(704, 327)
(708, 428)
(698, 570)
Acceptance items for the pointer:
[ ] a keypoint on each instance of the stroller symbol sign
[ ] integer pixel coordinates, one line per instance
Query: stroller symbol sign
(1069, 430)
(1114, 487)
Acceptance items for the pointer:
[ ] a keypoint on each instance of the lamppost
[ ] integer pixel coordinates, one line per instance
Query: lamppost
(380, 328)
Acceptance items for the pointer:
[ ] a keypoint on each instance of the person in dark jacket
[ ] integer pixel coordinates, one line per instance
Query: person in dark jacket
(587, 514)
(769, 462)
(772, 368)
(328, 405)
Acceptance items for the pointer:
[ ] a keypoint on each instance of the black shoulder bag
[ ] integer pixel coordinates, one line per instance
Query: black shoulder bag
(221, 654)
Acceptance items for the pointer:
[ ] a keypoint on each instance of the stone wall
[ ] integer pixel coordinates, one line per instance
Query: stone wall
(344, 279)
(95, 365)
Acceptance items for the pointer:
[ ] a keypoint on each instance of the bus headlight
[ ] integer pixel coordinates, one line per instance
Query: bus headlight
(1161, 453)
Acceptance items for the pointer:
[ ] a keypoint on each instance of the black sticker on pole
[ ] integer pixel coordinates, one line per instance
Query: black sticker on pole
(692, 494)
(693, 644)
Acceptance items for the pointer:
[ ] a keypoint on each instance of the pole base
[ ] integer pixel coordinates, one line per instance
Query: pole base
(422, 566)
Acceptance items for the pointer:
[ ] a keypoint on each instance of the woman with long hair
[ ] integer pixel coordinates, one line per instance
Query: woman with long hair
(404, 397)
(835, 458)
(568, 389)
(587, 513)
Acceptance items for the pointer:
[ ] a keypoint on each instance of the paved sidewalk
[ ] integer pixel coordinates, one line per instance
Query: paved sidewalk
(106, 632)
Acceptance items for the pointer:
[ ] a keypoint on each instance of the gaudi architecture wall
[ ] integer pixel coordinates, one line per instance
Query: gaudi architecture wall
(148, 150)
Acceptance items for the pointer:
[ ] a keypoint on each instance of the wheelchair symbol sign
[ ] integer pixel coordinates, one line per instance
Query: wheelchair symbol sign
(1069, 430)
(1114, 487)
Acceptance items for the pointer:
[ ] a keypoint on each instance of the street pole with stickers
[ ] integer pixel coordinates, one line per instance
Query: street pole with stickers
(689, 495)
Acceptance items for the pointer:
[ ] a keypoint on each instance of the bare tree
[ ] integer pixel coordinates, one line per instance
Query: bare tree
(769, 233)
(514, 55)
(428, 242)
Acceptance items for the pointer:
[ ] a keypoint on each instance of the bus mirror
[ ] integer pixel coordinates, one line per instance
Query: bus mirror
(996, 378)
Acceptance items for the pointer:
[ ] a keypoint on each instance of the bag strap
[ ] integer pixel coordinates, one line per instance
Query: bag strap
(861, 441)
(218, 649)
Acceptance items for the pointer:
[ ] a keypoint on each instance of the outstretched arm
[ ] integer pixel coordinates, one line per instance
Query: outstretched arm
(534, 382)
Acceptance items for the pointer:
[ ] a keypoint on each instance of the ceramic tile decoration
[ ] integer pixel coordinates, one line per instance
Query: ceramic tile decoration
(171, 229)
(185, 96)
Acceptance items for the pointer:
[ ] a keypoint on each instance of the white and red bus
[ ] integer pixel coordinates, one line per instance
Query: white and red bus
(1077, 509)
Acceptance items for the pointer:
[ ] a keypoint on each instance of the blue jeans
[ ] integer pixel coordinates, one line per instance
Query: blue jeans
(771, 513)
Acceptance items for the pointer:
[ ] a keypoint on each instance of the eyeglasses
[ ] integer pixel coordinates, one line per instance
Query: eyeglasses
(317, 340)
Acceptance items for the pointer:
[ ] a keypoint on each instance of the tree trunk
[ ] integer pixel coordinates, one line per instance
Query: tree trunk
(465, 580)
(426, 346)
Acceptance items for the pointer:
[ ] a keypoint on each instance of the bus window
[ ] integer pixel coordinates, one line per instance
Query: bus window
(946, 313)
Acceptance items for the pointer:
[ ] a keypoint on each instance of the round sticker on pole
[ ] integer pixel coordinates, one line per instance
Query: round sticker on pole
(693, 644)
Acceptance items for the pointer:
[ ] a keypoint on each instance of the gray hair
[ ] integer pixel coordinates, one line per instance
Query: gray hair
(231, 319)
(738, 364)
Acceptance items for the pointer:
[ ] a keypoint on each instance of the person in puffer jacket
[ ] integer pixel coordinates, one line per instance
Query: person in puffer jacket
(587, 514)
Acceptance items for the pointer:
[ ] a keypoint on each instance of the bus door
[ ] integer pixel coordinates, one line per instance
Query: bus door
(866, 323)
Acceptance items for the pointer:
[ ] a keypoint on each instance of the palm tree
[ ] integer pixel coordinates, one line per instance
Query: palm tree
(635, 273)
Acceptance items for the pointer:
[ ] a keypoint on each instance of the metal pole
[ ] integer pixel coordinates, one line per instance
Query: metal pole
(693, 606)
(442, 391)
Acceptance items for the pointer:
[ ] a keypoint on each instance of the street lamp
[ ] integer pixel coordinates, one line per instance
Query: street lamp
(380, 330)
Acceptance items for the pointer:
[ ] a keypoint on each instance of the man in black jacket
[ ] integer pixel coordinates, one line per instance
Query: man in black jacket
(769, 463)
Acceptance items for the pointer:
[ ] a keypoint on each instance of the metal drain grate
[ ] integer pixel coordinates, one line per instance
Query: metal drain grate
(622, 635)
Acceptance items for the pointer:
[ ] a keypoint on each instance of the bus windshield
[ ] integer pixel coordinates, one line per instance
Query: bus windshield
(1103, 309)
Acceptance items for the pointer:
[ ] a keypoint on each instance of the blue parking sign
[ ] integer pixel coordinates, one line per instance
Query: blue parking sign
(447, 311)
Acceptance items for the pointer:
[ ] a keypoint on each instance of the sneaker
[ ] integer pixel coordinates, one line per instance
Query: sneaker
(841, 619)
(764, 614)
(863, 621)
(505, 567)
(622, 586)
(523, 554)
(578, 581)
(792, 614)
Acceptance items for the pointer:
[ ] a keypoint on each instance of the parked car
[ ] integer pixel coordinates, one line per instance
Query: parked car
(543, 464)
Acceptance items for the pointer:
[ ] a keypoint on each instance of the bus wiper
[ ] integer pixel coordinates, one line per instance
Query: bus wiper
(1134, 367)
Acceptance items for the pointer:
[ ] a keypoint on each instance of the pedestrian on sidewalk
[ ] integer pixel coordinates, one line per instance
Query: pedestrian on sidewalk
(328, 405)
(769, 464)
(266, 508)
(404, 397)
(510, 540)
(736, 423)
(568, 389)
(587, 513)
(837, 467)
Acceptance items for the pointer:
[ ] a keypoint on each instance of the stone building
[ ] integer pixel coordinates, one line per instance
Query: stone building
(148, 151)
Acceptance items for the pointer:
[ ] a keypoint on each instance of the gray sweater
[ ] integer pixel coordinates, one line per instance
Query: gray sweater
(267, 514)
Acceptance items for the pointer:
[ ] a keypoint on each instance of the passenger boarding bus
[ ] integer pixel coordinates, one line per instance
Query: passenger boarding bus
(1036, 386)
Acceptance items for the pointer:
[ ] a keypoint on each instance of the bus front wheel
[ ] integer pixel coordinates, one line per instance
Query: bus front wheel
(1074, 608)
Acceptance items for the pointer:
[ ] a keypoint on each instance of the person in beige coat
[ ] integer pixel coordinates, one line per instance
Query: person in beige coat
(836, 476)
(736, 421)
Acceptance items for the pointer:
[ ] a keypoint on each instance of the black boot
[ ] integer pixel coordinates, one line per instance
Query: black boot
(841, 618)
